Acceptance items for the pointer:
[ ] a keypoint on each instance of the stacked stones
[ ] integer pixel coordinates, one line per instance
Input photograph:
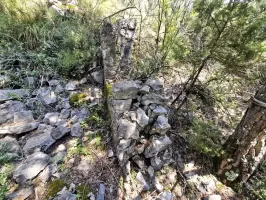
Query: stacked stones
(139, 123)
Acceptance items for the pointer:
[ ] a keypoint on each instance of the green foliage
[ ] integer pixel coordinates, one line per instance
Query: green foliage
(205, 138)
(82, 191)
(4, 156)
(4, 180)
(77, 99)
(54, 187)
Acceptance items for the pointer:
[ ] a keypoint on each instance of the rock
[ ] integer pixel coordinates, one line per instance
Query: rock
(155, 84)
(76, 130)
(8, 109)
(51, 118)
(11, 144)
(79, 116)
(166, 196)
(47, 173)
(160, 126)
(65, 195)
(158, 185)
(156, 163)
(17, 94)
(127, 129)
(144, 89)
(72, 188)
(59, 132)
(125, 90)
(53, 83)
(123, 144)
(101, 193)
(40, 142)
(19, 128)
(83, 81)
(142, 118)
(63, 104)
(23, 117)
(153, 98)
(21, 194)
(30, 81)
(59, 89)
(91, 196)
(71, 86)
(157, 145)
(121, 105)
(213, 197)
(59, 157)
(110, 153)
(65, 113)
(61, 147)
(145, 186)
(61, 122)
(31, 167)
(159, 110)
(150, 171)
(98, 76)
(46, 96)
(139, 162)
(4, 80)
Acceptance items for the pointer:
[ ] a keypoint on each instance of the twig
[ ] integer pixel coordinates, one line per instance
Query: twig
(119, 11)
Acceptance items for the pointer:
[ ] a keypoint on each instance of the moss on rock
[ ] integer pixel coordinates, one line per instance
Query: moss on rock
(76, 99)
(54, 187)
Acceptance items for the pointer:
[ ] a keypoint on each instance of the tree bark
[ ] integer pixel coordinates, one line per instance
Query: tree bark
(246, 148)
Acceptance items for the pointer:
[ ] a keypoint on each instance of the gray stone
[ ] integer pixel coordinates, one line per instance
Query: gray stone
(213, 197)
(21, 194)
(51, 118)
(154, 84)
(150, 171)
(4, 80)
(54, 82)
(158, 185)
(166, 196)
(127, 129)
(61, 122)
(159, 110)
(23, 117)
(110, 153)
(65, 113)
(97, 76)
(19, 128)
(59, 132)
(144, 89)
(123, 144)
(17, 94)
(101, 193)
(142, 118)
(125, 90)
(8, 109)
(139, 162)
(47, 173)
(71, 86)
(39, 142)
(157, 144)
(145, 186)
(153, 98)
(65, 195)
(47, 96)
(79, 116)
(31, 167)
(59, 89)
(161, 125)
(61, 147)
(76, 130)
(121, 105)
(83, 81)
(30, 81)
(11, 144)
(63, 104)
(156, 163)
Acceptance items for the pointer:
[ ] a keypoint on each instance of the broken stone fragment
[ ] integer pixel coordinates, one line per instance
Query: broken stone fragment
(64, 114)
(47, 173)
(153, 98)
(47, 96)
(53, 82)
(156, 163)
(166, 196)
(101, 193)
(71, 86)
(142, 118)
(16, 94)
(59, 89)
(97, 76)
(123, 144)
(157, 144)
(125, 90)
(11, 146)
(127, 129)
(159, 110)
(23, 117)
(8, 109)
(144, 185)
(19, 128)
(65, 195)
(155, 84)
(121, 105)
(51, 118)
(144, 89)
(83, 80)
(160, 126)
(31, 167)
(76, 130)
(139, 162)
(59, 132)
(21, 194)
(150, 171)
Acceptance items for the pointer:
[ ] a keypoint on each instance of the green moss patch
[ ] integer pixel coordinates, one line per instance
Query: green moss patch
(82, 191)
(54, 187)
(77, 99)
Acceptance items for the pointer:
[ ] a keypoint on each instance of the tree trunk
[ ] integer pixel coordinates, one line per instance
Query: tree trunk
(246, 148)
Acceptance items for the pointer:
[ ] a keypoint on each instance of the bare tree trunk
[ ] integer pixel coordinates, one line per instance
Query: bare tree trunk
(246, 148)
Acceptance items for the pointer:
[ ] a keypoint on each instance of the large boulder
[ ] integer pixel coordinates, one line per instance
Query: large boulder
(125, 90)
(31, 167)
(16, 94)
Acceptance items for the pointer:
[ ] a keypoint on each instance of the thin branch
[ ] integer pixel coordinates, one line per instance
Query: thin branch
(131, 7)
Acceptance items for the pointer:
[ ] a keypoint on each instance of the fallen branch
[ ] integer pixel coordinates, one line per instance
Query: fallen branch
(119, 11)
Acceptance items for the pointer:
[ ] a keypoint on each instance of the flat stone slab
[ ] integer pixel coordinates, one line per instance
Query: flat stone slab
(13, 94)
(31, 167)
(19, 128)
(157, 145)
(125, 90)
(21, 194)
(8, 109)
